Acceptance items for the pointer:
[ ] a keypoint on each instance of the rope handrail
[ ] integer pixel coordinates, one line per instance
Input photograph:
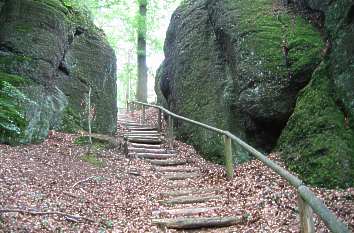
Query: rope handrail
(305, 194)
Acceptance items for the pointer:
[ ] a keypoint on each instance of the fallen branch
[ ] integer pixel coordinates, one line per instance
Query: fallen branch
(71, 217)
(83, 181)
(71, 195)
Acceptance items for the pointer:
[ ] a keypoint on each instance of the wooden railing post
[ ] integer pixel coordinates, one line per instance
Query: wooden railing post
(170, 131)
(131, 107)
(159, 121)
(306, 219)
(228, 157)
(143, 115)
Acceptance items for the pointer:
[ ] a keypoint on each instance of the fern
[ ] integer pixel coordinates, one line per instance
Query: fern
(12, 120)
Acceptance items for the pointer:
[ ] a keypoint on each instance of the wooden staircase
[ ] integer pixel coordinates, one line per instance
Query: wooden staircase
(183, 207)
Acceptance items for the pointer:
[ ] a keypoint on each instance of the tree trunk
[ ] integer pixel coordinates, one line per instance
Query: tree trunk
(141, 93)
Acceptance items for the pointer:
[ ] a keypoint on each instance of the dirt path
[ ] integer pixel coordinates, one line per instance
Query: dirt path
(122, 194)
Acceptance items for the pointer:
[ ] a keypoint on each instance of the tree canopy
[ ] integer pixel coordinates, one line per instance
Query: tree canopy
(120, 21)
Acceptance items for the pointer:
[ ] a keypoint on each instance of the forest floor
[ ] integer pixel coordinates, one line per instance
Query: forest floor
(119, 194)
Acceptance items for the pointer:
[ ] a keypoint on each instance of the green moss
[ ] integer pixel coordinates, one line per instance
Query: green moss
(55, 4)
(92, 159)
(268, 29)
(316, 143)
(23, 28)
(8, 60)
(96, 143)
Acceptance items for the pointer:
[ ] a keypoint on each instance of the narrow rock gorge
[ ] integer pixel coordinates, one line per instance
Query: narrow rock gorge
(278, 74)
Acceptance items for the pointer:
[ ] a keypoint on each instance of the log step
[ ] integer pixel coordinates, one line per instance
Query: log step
(168, 162)
(149, 150)
(136, 124)
(188, 200)
(180, 176)
(185, 211)
(187, 192)
(142, 145)
(126, 121)
(176, 169)
(144, 132)
(197, 222)
(153, 156)
(142, 135)
(142, 128)
(145, 141)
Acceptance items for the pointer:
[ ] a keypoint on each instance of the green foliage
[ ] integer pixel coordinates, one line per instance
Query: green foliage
(96, 143)
(93, 160)
(71, 121)
(12, 119)
(121, 23)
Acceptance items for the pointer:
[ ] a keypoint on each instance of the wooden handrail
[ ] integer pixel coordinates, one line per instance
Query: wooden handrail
(305, 194)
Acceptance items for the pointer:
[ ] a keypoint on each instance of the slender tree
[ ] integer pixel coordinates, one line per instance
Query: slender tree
(141, 93)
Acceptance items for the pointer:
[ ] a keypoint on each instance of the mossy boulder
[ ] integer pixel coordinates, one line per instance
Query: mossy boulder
(226, 65)
(318, 140)
(63, 53)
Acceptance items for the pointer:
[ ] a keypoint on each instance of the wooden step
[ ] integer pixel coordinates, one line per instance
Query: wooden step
(188, 199)
(185, 211)
(142, 135)
(152, 156)
(197, 222)
(175, 169)
(128, 125)
(168, 162)
(126, 121)
(142, 128)
(187, 192)
(142, 145)
(145, 141)
(149, 150)
(144, 132)
(180, 176)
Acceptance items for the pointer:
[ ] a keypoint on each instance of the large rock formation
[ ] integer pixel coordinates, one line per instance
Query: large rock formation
(237, 65)
(60, 50)
(240, 65)
(318, 141)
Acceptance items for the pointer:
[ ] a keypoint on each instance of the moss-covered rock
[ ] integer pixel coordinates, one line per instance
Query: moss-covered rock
(60, 49)
(225, 66)
(318, 141)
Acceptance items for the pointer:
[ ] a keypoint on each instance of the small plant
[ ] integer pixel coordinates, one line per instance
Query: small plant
(92, 159)
(89, 112)
(12, 119)
(96, 143)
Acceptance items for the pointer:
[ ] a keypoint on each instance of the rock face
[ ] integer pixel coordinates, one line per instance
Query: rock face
(318, 141)
(267, 75)
(63, 54)
(237, 65)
